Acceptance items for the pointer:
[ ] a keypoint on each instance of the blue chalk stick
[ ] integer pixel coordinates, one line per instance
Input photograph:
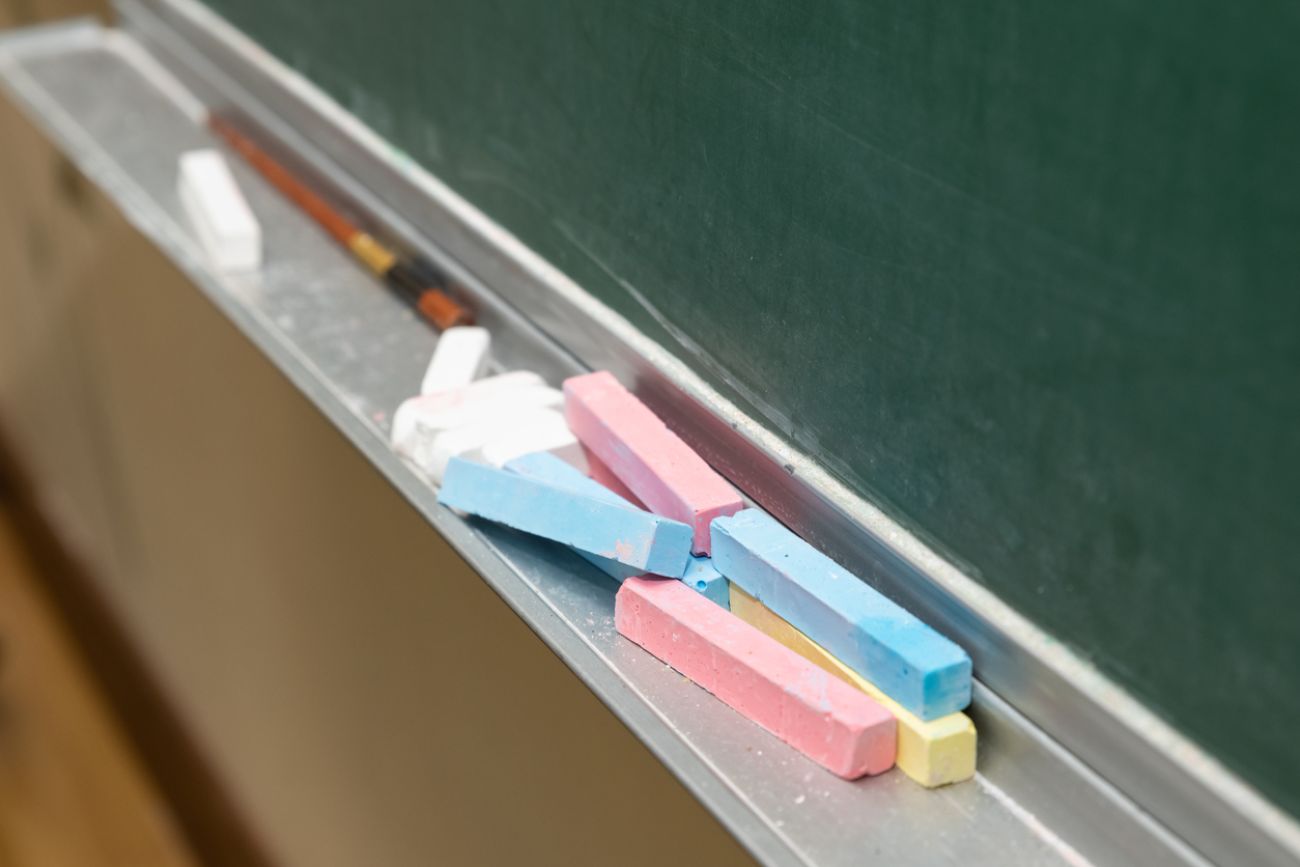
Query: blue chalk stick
(595, 525)
(910, 662)
(704, 578)
(546, 467)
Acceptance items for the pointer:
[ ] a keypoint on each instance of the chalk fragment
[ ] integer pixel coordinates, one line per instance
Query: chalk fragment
(914, 665)
(552, 439)
(824, 718)
(436, 405)
(655, 464)
(593, 524)
(934, 753)
(496, 412)
(468, 441)
(458, 359)
(707, 581)
(428, 421)
(218, 211)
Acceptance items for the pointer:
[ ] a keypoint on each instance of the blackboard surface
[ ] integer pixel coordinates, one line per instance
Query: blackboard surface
(1025, 274)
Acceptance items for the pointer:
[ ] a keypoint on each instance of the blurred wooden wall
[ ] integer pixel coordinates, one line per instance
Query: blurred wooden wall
(352, 693)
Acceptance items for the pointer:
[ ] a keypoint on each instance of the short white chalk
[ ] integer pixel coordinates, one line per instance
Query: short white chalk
(218, 211)
(551, 435)
(468, 442)
(427, 405)
(421, 426)
(458, 359)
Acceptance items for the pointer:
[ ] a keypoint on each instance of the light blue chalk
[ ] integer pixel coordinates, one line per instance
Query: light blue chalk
(593, 524)
(546, 467)
(704, 578)
(910, 662)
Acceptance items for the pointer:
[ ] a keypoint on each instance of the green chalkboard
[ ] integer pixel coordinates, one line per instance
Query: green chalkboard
(1026, 274)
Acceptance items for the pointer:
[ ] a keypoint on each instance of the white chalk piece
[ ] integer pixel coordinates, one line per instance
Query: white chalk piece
(548, 435)
(415, 408)
(458, 359)
(506, 404)
(468, 442)
(501, 409)
(221, 217)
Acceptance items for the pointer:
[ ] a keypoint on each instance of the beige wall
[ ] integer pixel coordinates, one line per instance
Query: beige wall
(17, 13)
(366, 697)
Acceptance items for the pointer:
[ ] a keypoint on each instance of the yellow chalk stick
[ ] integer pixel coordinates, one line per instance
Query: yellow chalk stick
(933, 753)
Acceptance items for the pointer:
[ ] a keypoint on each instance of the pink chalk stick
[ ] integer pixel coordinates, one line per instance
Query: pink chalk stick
(835, 725)
(664, 473)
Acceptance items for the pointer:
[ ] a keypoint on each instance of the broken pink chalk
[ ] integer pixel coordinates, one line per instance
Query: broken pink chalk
(656, 465)
(830, 722)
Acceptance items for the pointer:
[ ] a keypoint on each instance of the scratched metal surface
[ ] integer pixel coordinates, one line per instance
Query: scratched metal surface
(356, 352)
